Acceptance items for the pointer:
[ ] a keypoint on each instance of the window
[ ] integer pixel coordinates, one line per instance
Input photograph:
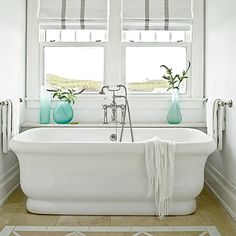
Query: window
(146, 51)
(82, 51)
(73, 58)
(142, 68)
(74, 67)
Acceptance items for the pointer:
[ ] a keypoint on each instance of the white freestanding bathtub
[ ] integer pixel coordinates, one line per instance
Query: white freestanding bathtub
(80, 171)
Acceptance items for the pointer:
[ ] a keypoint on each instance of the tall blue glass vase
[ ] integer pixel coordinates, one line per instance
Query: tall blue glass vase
(63, 113)
(174, 115)
(45, 105)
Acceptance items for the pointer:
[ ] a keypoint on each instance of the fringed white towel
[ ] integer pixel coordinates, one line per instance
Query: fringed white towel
(6, 126)
(159, 158)
(15, 115)
(10, 118)
(216, 121)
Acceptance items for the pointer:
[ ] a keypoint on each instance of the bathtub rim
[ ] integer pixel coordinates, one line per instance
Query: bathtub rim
(32, 130)
(19, 145)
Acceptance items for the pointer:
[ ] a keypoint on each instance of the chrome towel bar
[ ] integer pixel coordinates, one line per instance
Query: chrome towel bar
(229, 103)
(3, 103)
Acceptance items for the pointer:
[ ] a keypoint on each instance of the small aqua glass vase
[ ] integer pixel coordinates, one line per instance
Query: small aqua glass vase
(63, 113)
(174, 115)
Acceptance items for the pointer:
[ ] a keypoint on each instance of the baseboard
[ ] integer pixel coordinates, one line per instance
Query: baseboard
(224, 190)
(8, 183)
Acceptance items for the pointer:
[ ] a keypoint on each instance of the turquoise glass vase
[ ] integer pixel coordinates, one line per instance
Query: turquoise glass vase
(174, 115)
(63, 113)
(45, 105)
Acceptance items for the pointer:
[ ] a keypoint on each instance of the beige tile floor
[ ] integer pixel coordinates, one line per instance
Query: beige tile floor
(209, 212)
(111, 234)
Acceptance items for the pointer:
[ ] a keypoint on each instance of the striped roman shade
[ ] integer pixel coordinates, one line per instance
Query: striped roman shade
(73, 14)
(157, 14)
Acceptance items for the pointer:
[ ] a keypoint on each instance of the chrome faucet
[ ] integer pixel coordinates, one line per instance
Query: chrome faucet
(114, 110)
(114, 107)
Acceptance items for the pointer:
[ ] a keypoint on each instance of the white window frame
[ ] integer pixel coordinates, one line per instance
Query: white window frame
(157, 44)
(114, 51)
(71, 44)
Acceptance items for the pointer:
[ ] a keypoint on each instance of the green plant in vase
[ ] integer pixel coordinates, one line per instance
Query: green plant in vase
(63, 112)
(174, 80)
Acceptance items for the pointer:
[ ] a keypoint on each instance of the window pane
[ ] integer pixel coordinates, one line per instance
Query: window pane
(67, 35)
(163, 36)
(143, 72)
(131, 36)
(178, 36)
(53, 35)
(148, 36)
(139, 36)
(83, 35)
(74, 67)
(98, 35)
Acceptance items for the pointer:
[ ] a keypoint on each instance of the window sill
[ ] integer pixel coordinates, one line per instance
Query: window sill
(28, 125)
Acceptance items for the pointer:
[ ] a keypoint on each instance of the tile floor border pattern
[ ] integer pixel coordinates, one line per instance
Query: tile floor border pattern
(136, 230)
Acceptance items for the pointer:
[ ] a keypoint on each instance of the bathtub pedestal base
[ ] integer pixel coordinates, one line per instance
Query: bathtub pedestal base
(105, 208)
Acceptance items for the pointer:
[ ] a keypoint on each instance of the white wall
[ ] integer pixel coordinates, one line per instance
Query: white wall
(221, 83)
(12, 77)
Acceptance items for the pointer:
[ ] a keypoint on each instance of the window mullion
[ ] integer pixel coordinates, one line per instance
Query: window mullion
(114, 43)
(197, 86)
(33, 82)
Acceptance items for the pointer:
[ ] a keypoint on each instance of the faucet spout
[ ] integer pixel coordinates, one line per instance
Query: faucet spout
(102, 90)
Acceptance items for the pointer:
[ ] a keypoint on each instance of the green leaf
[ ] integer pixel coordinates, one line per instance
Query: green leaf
(69, 95)
(165, 67)
(175, 80)
(165, 77)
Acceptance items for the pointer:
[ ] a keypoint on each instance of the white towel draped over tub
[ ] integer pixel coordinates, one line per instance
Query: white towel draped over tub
(159, 158)
(216, 121)
(15, 115)
(10, 120)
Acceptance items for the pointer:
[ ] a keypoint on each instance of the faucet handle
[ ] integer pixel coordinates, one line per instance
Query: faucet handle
(104, 107)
